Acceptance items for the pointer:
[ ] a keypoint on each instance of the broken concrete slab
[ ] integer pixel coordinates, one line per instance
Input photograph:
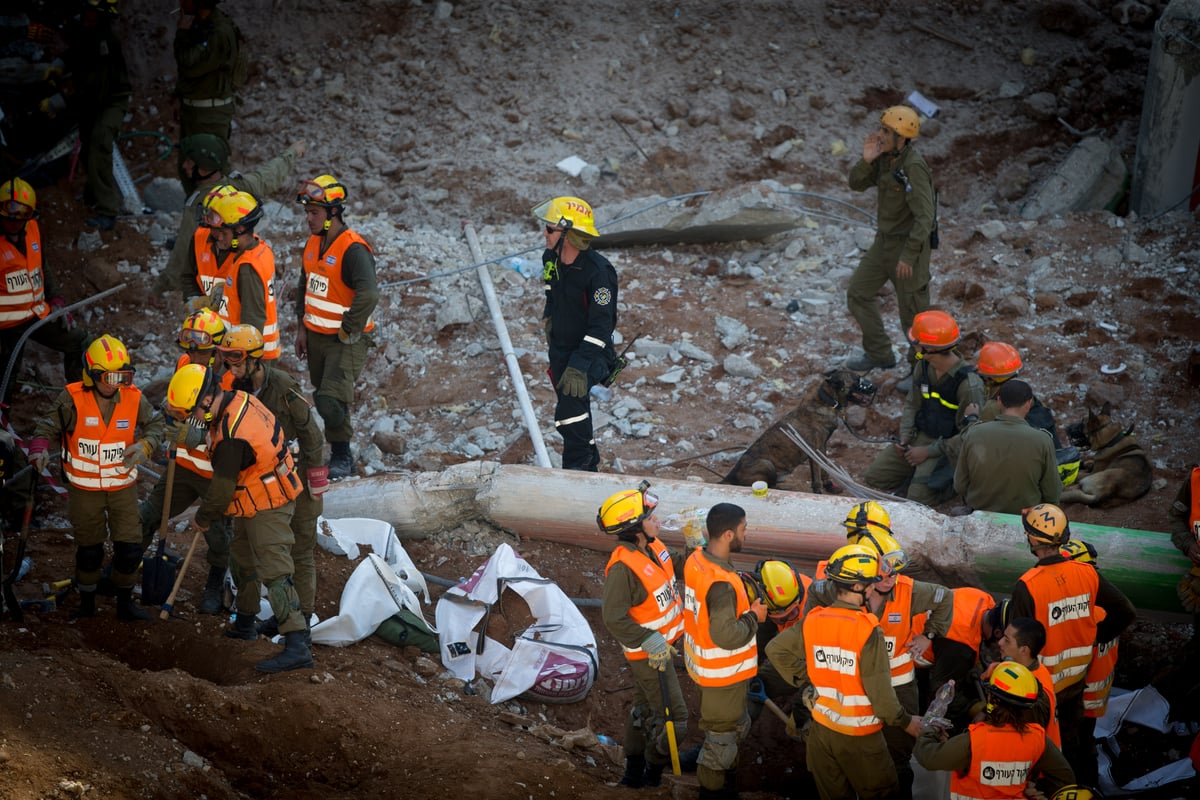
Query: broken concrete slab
(1093, 177)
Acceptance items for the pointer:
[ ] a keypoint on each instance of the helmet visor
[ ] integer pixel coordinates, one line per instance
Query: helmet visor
(193, 339)
(120, 377)
(232, 355)
(15, 209)
(212, 219)
(893, 563)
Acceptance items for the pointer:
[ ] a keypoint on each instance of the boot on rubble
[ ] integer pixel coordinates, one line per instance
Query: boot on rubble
(635, 771)
(654, 774)
(243, 628)
(267, 627)
(341, 463)
(295, 655)
(87, 605)
(127, 610)
(211, 602)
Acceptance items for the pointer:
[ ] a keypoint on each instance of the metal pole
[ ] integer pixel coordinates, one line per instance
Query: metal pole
(510, 358)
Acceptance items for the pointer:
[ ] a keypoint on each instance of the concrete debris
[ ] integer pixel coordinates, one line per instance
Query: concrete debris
(1091, 178)
(740, 366)
(732, 332)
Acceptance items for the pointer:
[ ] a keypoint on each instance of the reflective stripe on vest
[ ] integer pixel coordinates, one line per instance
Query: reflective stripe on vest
(833, 642)
(271, 481)
(92, 453)
(326, 297)
(261, 259)
(895, 620)
(194, 459)
(1063, 595)
(1001, 760)
(662, 610)
(1053, 731)
(708, 664)
(1099, 679)
(23, 292)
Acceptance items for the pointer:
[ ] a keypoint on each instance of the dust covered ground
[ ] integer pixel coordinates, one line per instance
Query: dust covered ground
(435, 120)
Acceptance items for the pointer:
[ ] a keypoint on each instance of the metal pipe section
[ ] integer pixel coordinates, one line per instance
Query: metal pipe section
(510, 358)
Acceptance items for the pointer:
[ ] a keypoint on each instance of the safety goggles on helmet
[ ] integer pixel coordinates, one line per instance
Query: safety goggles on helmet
(893, 563)
(212, 219)
(782, 618)
(622, 513)
(15, 209)
(232, 355)
(120, 377)
(312, 191)
(194, 339)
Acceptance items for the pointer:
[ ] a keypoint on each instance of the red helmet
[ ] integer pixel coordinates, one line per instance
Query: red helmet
(933, 330)
(999, 361)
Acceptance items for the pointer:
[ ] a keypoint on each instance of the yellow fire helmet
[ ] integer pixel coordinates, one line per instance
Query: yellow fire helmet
(1013, 684)
(853, 563)
(201, 330)
(1047, 523)
(901, 119)
(18, 200)
(622, 513)
(568, 213)
(106, 360)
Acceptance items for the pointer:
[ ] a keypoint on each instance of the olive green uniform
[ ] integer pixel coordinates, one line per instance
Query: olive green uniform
(844, 765)
(186, 488)
(251, 292)
(1006, 466)
(102, 95)
(904, 219)
(954, 754)
(205, 56)
(645, 725)
(99, 515)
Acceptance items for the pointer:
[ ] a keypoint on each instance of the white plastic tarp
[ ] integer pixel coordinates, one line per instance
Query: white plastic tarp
(554, 661)
(1148, 708)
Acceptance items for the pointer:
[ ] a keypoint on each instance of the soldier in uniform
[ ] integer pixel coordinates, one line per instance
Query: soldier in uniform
(206, 51)
(1184, 521)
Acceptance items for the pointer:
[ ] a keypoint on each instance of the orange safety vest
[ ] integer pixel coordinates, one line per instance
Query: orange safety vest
(261, 259)
(662, 610)
(802, 598)
(1099, 679)
(1053, 731)
(271, 481)
(326, 297)
(1194, 516)
(833, 643)
(708, 664)
(896, 622)
(23, 294)
(1001, 760)
(1063, 599)
(92, 452)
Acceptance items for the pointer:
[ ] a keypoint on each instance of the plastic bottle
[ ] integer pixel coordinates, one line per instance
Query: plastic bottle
(600, 393)
(691, 521)
(608, 740)
(523, 266)
(935, 715)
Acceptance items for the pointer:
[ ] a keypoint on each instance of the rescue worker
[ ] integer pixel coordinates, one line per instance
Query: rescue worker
(206, 52)
(242, 353)
(943, 385)
(720, 623)
(838, 659)
(199, 336)
(1184, 521)
(643, 612)
(28, 292)
(230, 269)
(999, 755)
(1097, 683)
(579, 317)
(785, 592)
(955, 655)
(1007, 465)
(205, 159)
(1022, 642)
(905, 218)
(254, 481)
(1078, 608)
(339, 290)
(95, 420)
(896, 600)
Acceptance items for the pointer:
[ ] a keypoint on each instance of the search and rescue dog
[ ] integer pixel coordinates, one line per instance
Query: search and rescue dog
(773, 455)
(1116, 471)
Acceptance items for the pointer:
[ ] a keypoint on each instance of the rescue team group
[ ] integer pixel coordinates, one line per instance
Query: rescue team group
(859, 652)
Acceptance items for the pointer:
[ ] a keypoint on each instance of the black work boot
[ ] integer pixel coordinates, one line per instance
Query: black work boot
(87, 605)
(127, 610)
(635, 772)
(730, 791)
(654, 774)
(211, 602)
(243, 628)
(341, 463)
(267, 627)
(295, 655)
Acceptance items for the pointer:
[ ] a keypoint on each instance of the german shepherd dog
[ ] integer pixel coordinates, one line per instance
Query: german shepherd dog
(1116, 471)
(773, 455)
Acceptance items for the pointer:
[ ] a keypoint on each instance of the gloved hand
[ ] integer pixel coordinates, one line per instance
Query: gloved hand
(348, 338)
(136, 453)
(318, 480)
(660, 653)
(573, 383)
(211, 300)
(194, 304)
(1188, 589)
(39, 454)
(59, 302)
(809, 697)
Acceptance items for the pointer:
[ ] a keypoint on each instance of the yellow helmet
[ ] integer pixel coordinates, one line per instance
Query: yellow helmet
(323, 190)
(781, 587)
(201, 330)
(864, 516)
(189, 385)
(107, 361)
(1079, 550)
(231, 210)
(892, 558)
(853, 563)
(1047, 523)
(1013, 684)
(1075, 791)
(18, 200)
(568, 213)
(622, 513)
(241, 342)
(901, 119)
(217, 192)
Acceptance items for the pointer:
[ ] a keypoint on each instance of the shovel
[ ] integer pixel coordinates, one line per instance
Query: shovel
(10, 596)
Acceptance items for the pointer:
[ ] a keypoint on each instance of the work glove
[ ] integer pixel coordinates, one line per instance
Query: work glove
(348, 338)
(573, 383)
(136, 453)
(211, 300)
(318, 480)
(59, 302)
(660, 653)
(1188, 589)
(39, 454)
(188, 434)
(809, 697)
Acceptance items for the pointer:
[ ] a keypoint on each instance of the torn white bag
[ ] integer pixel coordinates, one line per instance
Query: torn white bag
(1148, 708)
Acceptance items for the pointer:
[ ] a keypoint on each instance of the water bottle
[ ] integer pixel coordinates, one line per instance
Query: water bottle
(691, 521)
(608, 740)
(935, 715)
(600, 393)
(523, 266)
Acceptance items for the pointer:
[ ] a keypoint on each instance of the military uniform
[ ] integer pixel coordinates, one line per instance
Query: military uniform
(933, 414)
(904, 218)
(980, 758)
(1006, 466)
(204, 56)
(1182, 515)
(248, 274)
(581, 306)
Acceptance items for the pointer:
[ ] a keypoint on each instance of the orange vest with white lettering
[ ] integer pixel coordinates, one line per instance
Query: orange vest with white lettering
(662, 610)
(1001, 760)
(271, 481)
(833, 643)
(895, 620)
(23, 293)
(1064, 601)
(970, 604)
(261, 259)
(326, 297)
(708, 664)
(1053, 731)
(92, 452)
(1098, 682)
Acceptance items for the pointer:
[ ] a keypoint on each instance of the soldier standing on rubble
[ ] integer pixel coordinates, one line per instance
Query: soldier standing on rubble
(580, 316)
(905, 217)
(206, 50)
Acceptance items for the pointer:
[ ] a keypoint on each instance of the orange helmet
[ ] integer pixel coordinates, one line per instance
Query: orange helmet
(934, 331)
(998, 361)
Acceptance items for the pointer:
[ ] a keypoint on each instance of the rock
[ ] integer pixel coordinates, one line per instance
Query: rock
(163, 194)
(625, 116)
(740, 109)
(689, 350)
(1013, 181)
(992, 229)
(740, 366)
(1041, 106)
(780, 150)
(1012, 305)
(456, 310)
(1091, 178)
(88, 241)
(193, 759)
(443, 11)
(1028, 56)
(426, 667)
(677, 108)
(1131, 12)
(390, 442)
(1100, 393)
(732, 332)
(1010, 89)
